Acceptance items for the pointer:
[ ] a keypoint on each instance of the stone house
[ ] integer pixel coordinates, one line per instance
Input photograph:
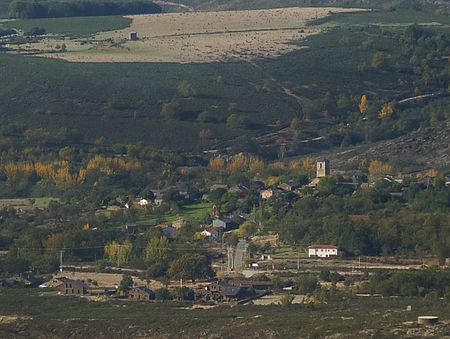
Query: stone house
(141, 293)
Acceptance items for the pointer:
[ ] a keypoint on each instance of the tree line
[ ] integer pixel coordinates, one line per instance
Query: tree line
(20, 9)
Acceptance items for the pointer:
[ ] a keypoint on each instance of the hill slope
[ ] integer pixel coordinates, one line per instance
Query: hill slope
(423, 148)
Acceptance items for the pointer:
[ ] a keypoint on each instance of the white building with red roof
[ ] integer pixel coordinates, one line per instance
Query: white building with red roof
(322, 251)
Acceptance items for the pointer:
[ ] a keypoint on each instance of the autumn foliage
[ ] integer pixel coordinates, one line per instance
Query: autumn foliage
(364, 105)
(61, 172)
(379, 168)
(386, 110)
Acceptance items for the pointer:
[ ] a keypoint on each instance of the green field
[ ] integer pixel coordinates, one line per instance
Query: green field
(26, 204)
(74, 27)
(401, 17)
(194, 212)
(59, 316)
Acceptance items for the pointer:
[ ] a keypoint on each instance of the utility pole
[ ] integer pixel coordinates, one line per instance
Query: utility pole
(298, 259)
(61, 261)
(118, 255)
(232, 258)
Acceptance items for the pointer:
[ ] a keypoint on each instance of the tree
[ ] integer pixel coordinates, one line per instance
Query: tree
(255, 165)
(184, 293)
(171, 110)
(157, 250)
(364, 105)
(379, 168)
(217, 164)
(386, 110)
(381, 60)
(247, 229)
(235, 121)
(120, 253)
(231, 239)
(306, 284)
(186, 89)
(156, 270)
(126, 283)
(163, 294)
(295, 124)
(191, 266)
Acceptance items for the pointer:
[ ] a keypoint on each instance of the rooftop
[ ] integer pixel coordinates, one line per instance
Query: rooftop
(317, 246)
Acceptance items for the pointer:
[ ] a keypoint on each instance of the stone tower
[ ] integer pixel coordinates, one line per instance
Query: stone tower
(323, 168)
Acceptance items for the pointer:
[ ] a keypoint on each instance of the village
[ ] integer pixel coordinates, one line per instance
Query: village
(247, 269)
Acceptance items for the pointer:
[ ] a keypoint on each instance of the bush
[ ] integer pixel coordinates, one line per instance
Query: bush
(287, 299)
(163, 294)
(306, 284)
(36, 31)
(184, 293)
(156, 270)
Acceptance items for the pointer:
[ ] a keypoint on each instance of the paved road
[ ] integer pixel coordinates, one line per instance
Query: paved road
(241, 249)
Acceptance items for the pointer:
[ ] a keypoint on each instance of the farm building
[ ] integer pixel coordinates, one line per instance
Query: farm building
(133, 36)
(322, 251)
(141, 293)
(222, 291)
(71, 287)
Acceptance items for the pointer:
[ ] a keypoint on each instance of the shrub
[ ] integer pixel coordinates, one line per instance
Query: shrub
(287, 299)
(163, 294)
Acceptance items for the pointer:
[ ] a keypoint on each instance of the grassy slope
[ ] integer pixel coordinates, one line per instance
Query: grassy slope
(122, 102)
(79, 26)
(194, 212)
(262, 4)
(58, 316)
(100, 99)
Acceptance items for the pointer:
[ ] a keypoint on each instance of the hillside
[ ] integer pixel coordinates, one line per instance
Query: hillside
(319, 83)
(423, 148)
(258, 4)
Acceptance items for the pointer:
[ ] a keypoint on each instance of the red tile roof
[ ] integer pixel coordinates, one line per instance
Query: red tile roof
(323, 246)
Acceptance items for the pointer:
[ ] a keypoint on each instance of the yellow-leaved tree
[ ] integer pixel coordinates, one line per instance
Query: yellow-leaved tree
(120, 253)
(239, 163)
(364, 105)
(386, 110)
(217, 164)
(308, 164)
(255, 165)
(379, 168)
(157, 250)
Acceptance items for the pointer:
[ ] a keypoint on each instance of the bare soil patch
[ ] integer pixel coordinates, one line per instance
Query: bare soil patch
(109, 279)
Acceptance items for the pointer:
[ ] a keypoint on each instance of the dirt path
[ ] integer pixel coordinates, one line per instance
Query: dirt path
(174, 4)
(284, 89)
(241, 249)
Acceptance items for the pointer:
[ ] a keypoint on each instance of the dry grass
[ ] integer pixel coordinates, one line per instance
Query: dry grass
(109, 279)
(197, 37)
(275, 299)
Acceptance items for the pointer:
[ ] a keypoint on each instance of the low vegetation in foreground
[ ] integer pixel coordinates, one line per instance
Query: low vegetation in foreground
(35, 314)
